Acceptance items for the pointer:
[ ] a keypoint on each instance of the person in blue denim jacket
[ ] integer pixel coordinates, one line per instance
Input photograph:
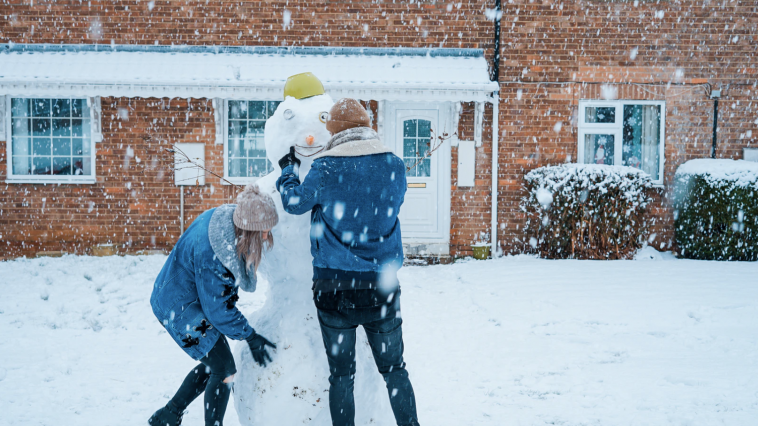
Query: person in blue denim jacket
(194, 298)
(354, 191)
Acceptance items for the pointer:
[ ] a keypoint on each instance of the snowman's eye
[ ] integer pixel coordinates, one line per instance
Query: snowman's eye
(323, 116)
(288, 114)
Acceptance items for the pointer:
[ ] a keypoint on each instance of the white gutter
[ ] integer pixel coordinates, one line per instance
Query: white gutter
(495, 149)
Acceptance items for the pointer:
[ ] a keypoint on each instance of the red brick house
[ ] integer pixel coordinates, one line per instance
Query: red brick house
(93, 93)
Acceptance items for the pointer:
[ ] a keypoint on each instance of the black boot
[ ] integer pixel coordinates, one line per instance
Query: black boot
(166, 416)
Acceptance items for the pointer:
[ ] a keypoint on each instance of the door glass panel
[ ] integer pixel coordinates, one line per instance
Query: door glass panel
(416, 140)
(642, 134)
(598, 149)
(600, 115)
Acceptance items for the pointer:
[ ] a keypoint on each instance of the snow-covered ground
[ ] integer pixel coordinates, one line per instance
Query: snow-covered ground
(517, 341)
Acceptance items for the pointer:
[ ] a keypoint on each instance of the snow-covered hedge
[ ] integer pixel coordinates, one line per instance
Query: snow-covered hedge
(586, 211)
(716, 209)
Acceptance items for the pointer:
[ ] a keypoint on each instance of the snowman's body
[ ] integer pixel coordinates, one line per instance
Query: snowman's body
(293, 389)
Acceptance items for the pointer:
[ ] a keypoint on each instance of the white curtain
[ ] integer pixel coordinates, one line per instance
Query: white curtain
(651, 133)
(20, 133)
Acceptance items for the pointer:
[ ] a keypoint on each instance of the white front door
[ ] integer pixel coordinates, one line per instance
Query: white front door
(412, 131)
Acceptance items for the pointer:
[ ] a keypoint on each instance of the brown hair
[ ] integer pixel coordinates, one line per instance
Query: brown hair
(250, 246)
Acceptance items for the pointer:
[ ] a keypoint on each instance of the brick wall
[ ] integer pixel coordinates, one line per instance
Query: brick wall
(200, 22)
(539, 128)
(471, 207)
(134, 204)
(557, 53)
(553, 54)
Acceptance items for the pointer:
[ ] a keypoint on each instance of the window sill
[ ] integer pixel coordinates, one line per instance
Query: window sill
(239, 181)
(52, 181)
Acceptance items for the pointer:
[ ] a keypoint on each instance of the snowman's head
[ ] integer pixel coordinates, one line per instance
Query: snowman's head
(300, 123)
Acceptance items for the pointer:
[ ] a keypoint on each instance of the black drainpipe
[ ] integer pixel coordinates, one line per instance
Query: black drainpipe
(495, 76)
(715, 95)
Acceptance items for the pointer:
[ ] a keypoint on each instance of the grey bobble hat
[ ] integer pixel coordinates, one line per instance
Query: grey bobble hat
(255, 210)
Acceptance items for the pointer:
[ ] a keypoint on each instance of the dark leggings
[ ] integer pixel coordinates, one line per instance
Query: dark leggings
(209, 376)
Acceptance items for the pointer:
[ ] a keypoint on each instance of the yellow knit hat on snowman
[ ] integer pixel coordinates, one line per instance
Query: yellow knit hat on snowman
(303, 85)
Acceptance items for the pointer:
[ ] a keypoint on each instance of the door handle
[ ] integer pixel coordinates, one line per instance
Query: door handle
(417, 185)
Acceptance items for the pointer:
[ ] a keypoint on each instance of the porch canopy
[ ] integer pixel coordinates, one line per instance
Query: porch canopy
(242, 72)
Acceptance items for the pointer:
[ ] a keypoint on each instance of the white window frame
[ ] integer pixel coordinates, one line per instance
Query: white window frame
(223, 117)
(95, 137)
(617, 130)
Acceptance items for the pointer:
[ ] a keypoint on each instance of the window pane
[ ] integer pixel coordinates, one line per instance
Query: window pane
(76, 147)
(409, 148)
(425, 168)
(61, 165)
(86, 129)
(271, 107)
(41, 146)
(598, 149)
(41, 127)
(77, 127)
(41, 107)
(22, 146)
(257, 167)
(20, 107)
(22, 165)
(237, 128)
(409, 163)
(61, 146)
(82, 166)
(61, 107)
(424, 128)
(641, 141)
(237, 110)
(257, 147)
(237, 168)
(235, 148)
(79, 108)
(600, 115)
(21, 127)
(409, 128)
(41, 166)
(423, 147)
(257, 110)
(62, 127)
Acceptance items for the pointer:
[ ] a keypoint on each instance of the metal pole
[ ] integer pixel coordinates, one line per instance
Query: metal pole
(715, 125)
(495, 149)
(181, 210)
(496, 58)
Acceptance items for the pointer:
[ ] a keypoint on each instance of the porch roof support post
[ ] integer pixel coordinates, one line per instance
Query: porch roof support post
(495, 149)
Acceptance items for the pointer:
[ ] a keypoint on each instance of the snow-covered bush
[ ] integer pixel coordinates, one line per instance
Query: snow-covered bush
(586, 211)
(716, 209)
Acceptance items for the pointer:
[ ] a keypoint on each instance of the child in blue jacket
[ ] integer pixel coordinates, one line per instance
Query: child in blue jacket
(195, 294)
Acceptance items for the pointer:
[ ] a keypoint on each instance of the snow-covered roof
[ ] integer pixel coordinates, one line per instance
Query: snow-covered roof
(207, 72)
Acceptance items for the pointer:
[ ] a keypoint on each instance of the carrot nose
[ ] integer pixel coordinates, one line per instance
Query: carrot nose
(309, 139)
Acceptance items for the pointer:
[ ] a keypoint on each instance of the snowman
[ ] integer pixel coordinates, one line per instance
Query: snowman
(293, 389)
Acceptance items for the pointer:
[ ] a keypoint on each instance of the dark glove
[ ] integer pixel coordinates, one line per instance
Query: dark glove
(289, 159)
(258, 345)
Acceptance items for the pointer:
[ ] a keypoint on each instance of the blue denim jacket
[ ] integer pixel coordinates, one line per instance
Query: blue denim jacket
(194, 295)
(354, 202)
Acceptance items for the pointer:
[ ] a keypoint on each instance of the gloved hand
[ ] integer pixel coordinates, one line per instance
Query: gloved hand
(289, 159)
(258, 345)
